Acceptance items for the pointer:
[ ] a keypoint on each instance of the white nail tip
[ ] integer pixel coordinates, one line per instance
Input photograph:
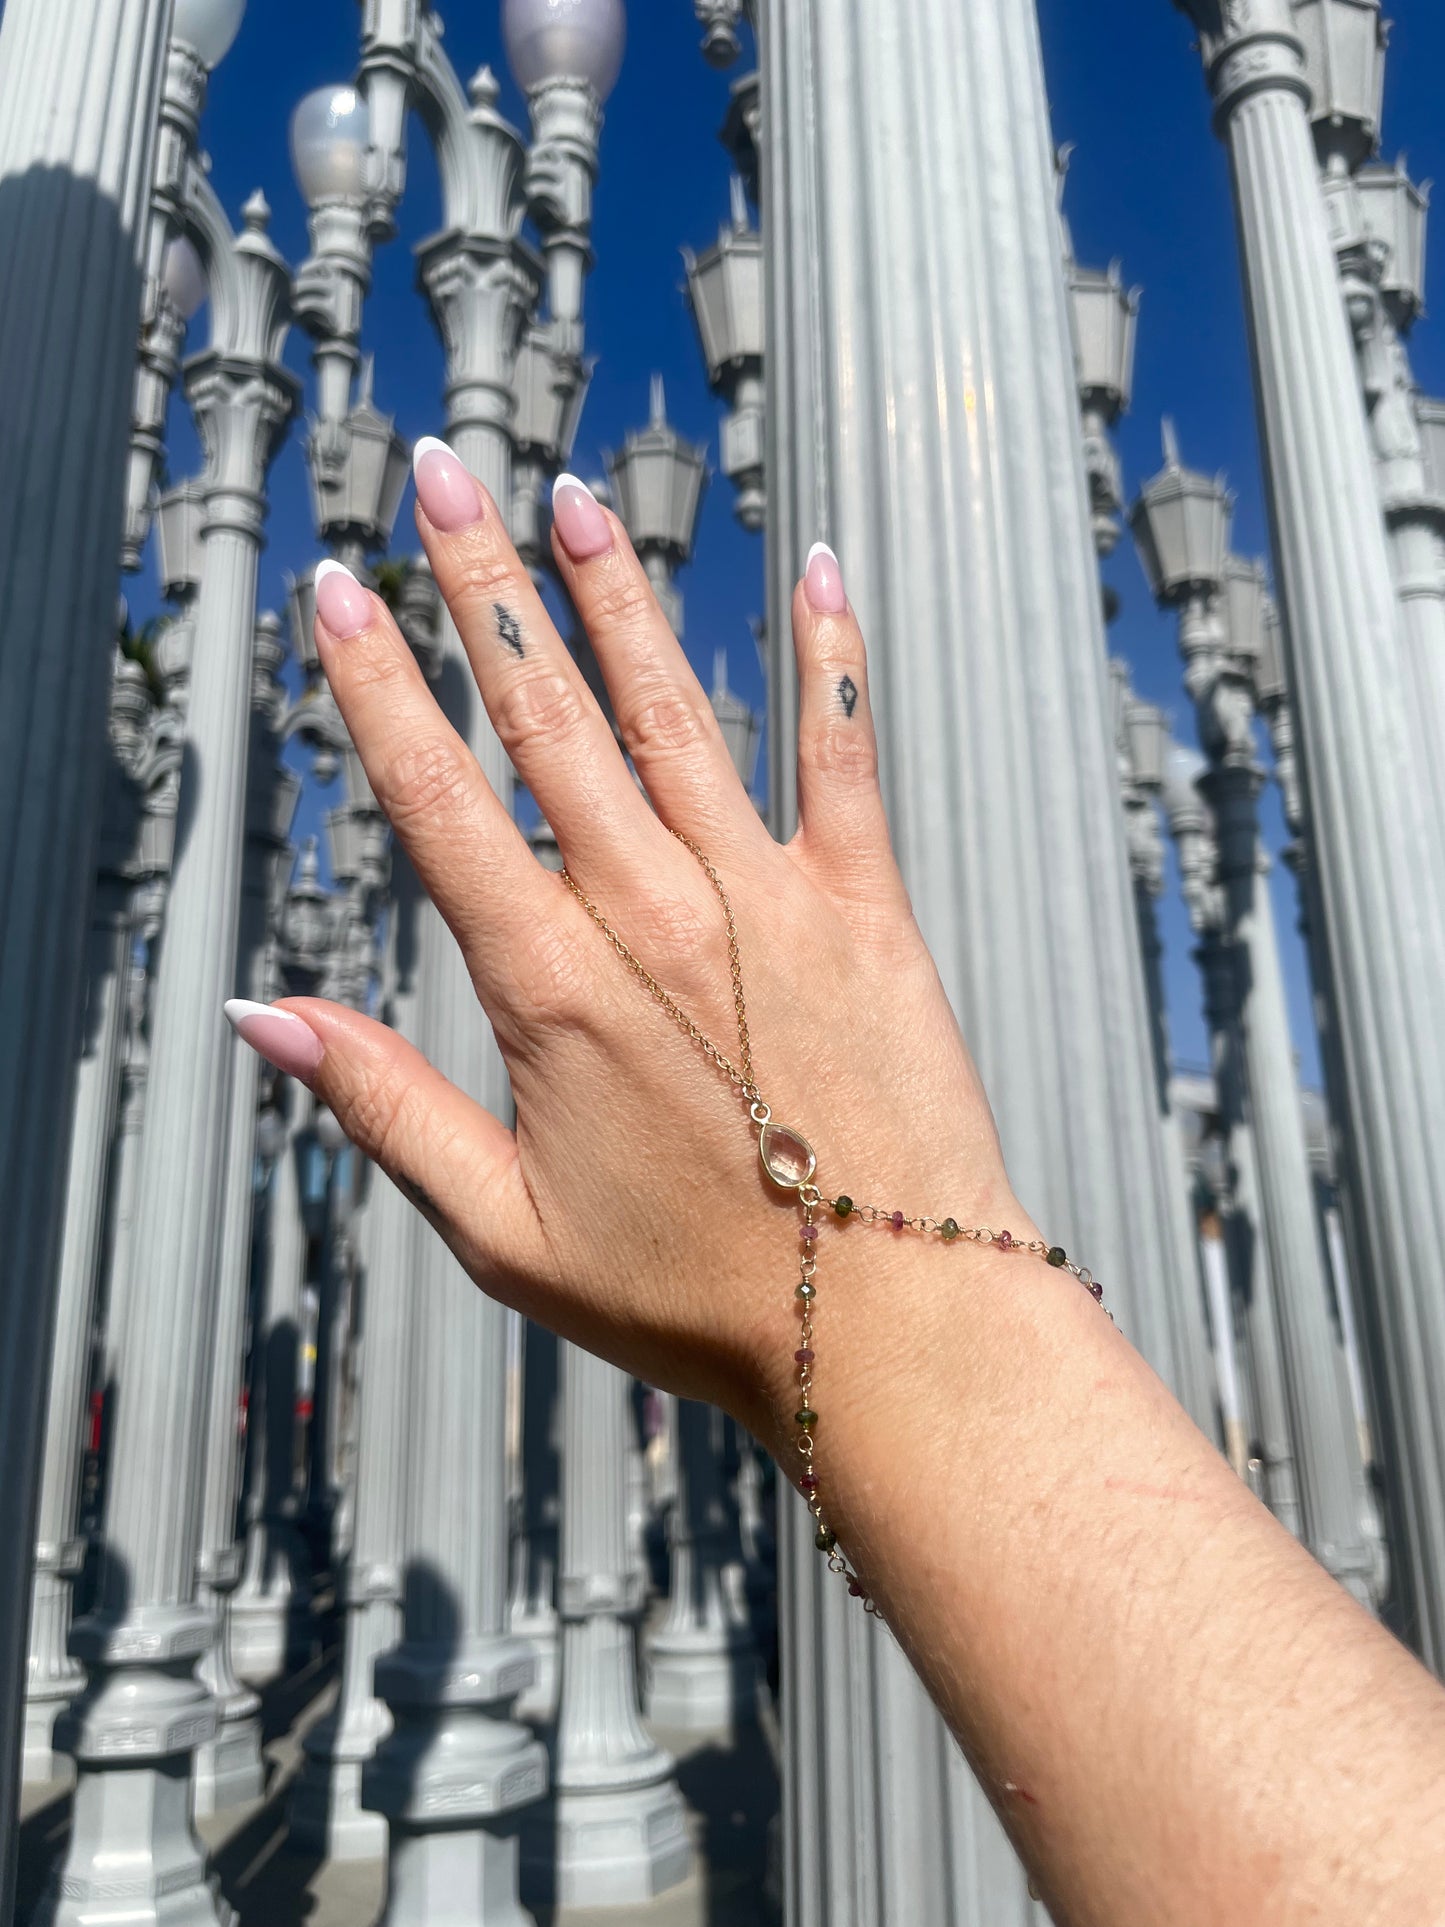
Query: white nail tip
(568, 481)
(819, 548)
(239, 1008)
(424, 446)
(324, 568)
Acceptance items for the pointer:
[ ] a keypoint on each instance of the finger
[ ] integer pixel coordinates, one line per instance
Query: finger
(662, 710)
(455, 1162)
(465, 847)
(840, 805)
(547, 718)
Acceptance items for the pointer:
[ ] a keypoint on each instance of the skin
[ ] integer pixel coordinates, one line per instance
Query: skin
(1178, 1715)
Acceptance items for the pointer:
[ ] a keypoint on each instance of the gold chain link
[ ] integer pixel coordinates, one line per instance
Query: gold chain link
(742, 1077)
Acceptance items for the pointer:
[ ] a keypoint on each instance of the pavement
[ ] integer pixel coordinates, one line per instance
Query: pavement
(730, 1785)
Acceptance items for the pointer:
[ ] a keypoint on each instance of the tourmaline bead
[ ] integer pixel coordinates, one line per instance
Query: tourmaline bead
(807, 1418)
(1057, 1255)
(805, 1356)
(1096, 1291)
(855, 1586)
(949, 1229)
(842, 1206)
(808, 1482)
(897, 1221)
(1005, 1240)
(826, 1539)
(809, 1232)
(805, 1290)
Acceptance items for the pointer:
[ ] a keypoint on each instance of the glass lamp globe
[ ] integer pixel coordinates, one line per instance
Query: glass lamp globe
(329, 133)
(207, 27)
(565, 40)
(183, 276)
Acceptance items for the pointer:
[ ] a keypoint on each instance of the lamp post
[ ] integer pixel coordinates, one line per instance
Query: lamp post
(657, 481)
(75, 172)
(969, 559)
(229, 1768)
(1378, 881)
(1105, 317)
(725, 293)
(135, 849)
(1181, 522)
(1271, 1457)
(144, 1711)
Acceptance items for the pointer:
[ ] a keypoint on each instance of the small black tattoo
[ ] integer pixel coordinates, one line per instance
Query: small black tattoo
(508, 628)
(423, 1200)
(848, 696)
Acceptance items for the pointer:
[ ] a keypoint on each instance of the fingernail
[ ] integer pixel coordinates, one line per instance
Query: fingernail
(823, 581)
(341, 602)
(444, 488)
(281, 1037)
(578, 519)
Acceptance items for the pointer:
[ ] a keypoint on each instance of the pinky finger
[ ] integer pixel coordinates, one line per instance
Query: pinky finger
(842, 823)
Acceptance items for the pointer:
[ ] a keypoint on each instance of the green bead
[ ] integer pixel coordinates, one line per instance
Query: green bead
(949, 1228)
(805, 1290)
(826, 1539)
(1057, 1255)
(842, 1206)
(807, 1418)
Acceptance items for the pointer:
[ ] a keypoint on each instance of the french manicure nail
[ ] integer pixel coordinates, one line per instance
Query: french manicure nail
(281, 1037)
(448, 495)
(583, 529)
(341, 602)
(823, 581)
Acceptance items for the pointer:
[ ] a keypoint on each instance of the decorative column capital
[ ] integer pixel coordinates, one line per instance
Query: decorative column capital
(1248, 47)
(481, 290)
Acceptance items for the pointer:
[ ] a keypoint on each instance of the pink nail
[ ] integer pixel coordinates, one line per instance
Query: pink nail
(281, 1037)
(342, 604)
(823, 581)
(583, 529)
(449, 497)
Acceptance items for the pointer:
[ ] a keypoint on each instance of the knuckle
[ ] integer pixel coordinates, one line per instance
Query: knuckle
(623, 601)
(662, 721)
(431, 778)
(844, 751)
(552, 975)
(480, 577)
(372, 1114)
(538, 711)
(673, 927)
(374, 661)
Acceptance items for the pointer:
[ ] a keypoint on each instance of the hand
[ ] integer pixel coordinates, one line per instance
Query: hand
(628, 1209)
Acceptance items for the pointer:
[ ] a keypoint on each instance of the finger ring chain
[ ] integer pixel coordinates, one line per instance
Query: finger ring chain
(789, 1161)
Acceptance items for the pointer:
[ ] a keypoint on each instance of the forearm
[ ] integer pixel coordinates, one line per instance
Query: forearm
(1140, 1663)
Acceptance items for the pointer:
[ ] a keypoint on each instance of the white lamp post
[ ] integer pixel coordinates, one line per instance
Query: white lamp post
(657, 480)
(725, 292)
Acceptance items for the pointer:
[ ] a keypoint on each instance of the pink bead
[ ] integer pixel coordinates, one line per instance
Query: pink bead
(1005, 1239)
(897, 1220)
(809, 1232)
(804, 1357)
(808, 1482)
(1096, 1291)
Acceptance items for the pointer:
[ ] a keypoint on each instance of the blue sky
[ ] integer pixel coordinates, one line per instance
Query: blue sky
(1148, 184)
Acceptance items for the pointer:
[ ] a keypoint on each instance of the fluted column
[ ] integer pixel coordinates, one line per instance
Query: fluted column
(53, 1676)
(613, 1833)
(455, 1770)
(144, 1711)
(532, 1609)
(923, 420)
(1378, 883)
(79, 86)
(702, 1666)
(272, 1594)
(1321, 1424)
(327, 1814)
(230, 1768)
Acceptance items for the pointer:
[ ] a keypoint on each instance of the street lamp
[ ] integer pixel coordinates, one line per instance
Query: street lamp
(207, 27)
(1393, 212)
(725, 292)
(1180, 525)
(330, 129)
(1344, 45)
(1105, 317)
(657, 485)
(578, 40)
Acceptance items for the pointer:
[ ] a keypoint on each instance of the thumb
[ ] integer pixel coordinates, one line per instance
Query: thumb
(455, 1162)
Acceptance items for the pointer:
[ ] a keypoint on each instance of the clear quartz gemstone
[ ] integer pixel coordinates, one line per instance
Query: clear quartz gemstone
(787, 1156)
